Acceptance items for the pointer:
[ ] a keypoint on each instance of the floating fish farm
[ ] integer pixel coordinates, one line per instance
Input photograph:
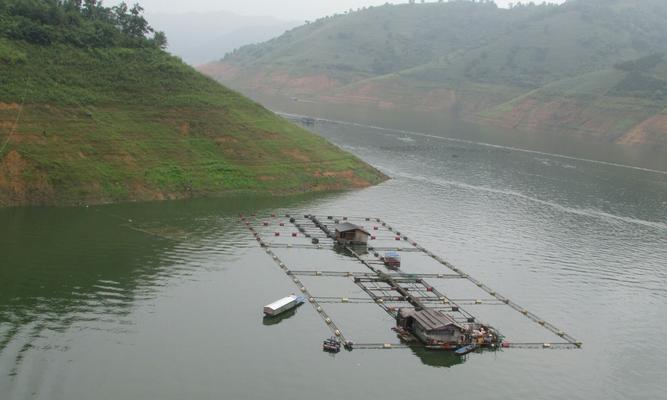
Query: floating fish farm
(412, 299)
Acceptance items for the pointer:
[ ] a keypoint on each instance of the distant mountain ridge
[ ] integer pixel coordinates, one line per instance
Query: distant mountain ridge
(199, 38)
(531, 67)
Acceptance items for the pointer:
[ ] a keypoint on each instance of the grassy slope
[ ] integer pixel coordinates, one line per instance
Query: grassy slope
(123, 124)
(470, 59)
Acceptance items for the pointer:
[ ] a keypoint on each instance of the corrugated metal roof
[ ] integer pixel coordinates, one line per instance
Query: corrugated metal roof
(347, 227)
(433, 320)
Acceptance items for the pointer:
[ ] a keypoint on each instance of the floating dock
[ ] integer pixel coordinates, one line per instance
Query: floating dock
(390, 290)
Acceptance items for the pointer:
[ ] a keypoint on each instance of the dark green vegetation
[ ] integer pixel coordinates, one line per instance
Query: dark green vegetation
(126, 121)
(587, 67)
(81, 23)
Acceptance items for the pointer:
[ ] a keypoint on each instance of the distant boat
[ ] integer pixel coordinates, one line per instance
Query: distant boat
(284, 304)
(308, 121)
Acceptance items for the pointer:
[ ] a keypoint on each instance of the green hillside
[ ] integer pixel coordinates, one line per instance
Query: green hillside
(380, 40)
(470, 58)
(92, 112)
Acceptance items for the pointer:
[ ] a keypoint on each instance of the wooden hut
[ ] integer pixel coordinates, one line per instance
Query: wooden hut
(348, 233)
(432, 327)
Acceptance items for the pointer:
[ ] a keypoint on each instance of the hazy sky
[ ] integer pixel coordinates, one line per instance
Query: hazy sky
(283, 9)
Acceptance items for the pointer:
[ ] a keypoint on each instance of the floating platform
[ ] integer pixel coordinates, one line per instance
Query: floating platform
(390, 289)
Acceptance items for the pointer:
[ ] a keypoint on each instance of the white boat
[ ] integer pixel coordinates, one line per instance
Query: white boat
(284, 304)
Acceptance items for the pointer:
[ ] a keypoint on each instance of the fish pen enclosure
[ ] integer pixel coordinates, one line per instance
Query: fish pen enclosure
(431, 303)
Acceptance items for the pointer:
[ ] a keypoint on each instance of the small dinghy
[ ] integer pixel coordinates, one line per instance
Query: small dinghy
(462, 351)
(331, 345)
(392, 259)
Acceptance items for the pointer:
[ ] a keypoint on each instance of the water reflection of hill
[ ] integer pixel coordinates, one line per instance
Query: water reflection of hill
(67, 266)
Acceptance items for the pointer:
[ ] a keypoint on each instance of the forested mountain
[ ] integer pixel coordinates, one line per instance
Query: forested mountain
(93, 110)
(508, 66)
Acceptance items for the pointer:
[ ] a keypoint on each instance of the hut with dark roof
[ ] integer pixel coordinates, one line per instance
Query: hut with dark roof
(348, 233)
(431, 327)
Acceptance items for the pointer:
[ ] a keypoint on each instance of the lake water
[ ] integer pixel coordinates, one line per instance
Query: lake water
(163, 300)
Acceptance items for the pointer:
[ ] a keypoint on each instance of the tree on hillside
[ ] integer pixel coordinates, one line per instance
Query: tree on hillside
(137, 25)
(83, 23)
(73, 5)
(160, 39)
(91, 8)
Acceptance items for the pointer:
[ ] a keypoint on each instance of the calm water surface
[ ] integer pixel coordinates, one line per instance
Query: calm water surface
(164, 300)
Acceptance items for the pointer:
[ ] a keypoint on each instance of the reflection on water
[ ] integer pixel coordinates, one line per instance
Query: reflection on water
(438, 359)
(477, 130)
(407, 125)
(276, 319)
(70, 269)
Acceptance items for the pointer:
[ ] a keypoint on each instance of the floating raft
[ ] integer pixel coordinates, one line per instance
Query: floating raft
(389, 290)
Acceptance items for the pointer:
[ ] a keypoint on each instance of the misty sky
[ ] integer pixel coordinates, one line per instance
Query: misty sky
(283, 9)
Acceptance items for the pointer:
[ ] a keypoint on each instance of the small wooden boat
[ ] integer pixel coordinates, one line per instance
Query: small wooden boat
(331, 345)
(284, 304)
(462, 351)
(392, 259)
